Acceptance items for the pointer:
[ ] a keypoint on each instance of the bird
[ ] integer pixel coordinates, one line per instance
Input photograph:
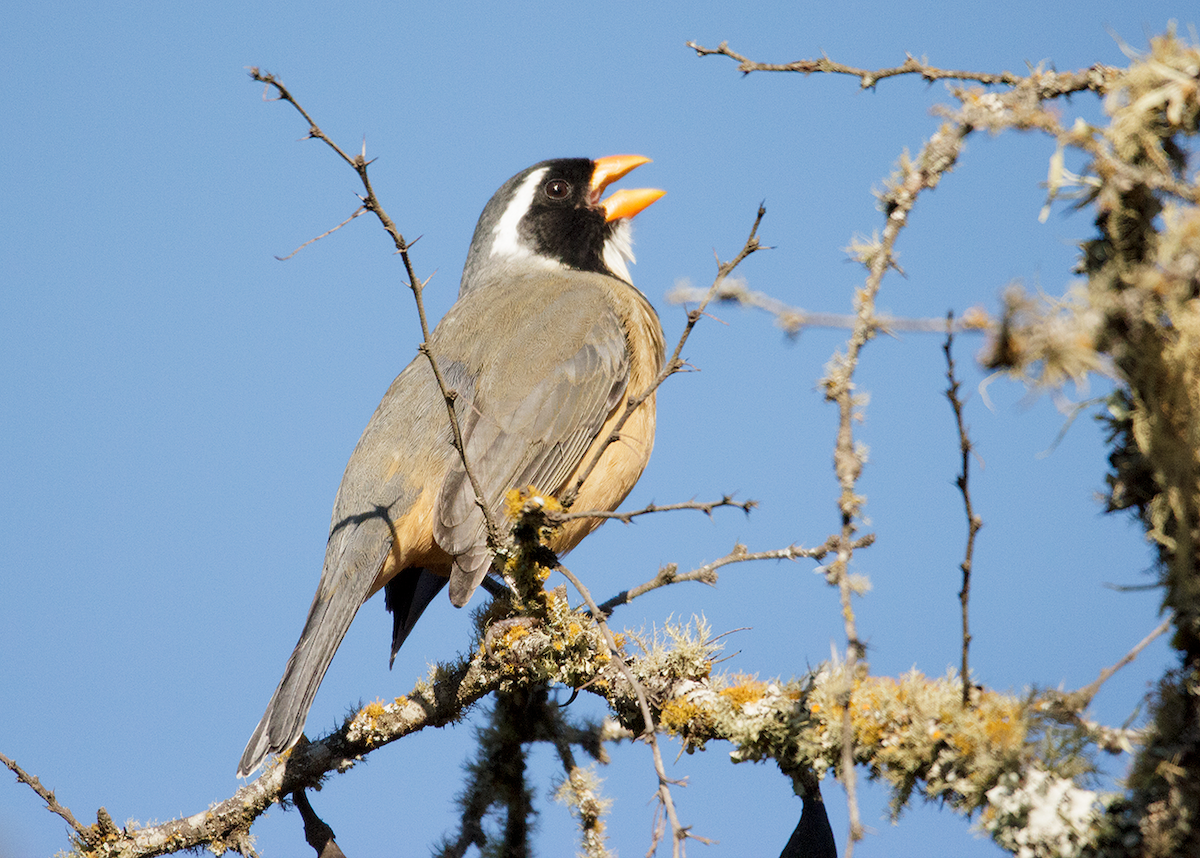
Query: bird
(545, 344)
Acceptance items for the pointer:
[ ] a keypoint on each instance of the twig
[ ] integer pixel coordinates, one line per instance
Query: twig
(1084, 695)
(705, 507)
(1050, 84)
(974, 522)
(47, 796)
(371, 203)
(672, 365)
(649, 731)
(706, 574)
(357, 212)
(794, 320)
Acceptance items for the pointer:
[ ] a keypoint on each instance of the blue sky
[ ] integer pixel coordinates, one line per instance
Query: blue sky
(176, 405)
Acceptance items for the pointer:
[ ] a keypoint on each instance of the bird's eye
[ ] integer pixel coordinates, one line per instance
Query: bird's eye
(558, 189)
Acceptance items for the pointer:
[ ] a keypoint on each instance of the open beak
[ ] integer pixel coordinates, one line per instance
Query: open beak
(624, 203)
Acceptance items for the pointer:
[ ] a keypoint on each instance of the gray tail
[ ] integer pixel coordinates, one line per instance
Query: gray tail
(281, 725)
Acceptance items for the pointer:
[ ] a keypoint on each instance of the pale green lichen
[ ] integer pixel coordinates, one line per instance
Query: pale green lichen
(580, 791)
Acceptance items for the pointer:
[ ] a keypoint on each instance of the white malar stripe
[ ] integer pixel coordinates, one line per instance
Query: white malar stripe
(508, 237)
(619, 248)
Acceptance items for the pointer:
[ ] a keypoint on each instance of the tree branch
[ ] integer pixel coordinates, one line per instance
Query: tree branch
(706, 574)
(795, 320)
(1083, 697)
(936, 157)
(649, 727)
(705, 507)
(371, 203)
(317, 833)
(1049, 84)
(974, 522)
(46, 795)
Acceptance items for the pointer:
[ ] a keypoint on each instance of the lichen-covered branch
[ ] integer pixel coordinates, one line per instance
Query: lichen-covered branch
(910, 731)
(912, 177)
(1135, 319)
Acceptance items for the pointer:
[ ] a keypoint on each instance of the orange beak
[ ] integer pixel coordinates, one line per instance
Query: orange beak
(623, 203)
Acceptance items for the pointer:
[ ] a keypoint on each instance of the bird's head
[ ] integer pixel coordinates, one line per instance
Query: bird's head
(551, 216)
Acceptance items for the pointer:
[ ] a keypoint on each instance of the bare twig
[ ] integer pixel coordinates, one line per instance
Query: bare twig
(357, 212)
(794, 320)
(1049, 84)
(705, 507)
(1084, 695)
(974, 522)
(673, 364)
(706, 574)
(47, 796)
(371, 203)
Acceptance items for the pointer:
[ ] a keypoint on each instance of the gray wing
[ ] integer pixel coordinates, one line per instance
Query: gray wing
(557, 372)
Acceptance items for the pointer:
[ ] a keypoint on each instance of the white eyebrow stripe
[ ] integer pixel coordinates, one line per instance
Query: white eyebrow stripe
(507, 229)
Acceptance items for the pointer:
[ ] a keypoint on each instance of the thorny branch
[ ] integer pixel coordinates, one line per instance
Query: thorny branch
(974, 522)
(371, 203)
(1048, 84)
(705, 507)
(707, 574)
(47, 796)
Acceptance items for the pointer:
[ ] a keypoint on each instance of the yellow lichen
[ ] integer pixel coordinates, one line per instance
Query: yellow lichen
(681, 717)
(518, 501)
(513, 635)
(746, 689)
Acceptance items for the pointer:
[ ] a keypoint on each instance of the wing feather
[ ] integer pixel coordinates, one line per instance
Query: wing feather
(533, 413)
